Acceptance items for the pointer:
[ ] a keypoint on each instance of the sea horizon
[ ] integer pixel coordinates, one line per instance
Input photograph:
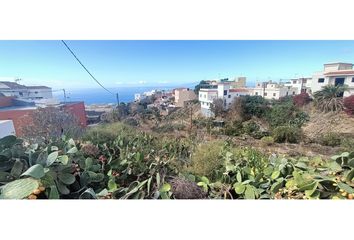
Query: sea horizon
(101, 96)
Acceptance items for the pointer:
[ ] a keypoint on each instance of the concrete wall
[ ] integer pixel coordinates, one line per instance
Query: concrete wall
(78, 110)
(182, 96)
(6, 101)
(21, 118)
(6, 128)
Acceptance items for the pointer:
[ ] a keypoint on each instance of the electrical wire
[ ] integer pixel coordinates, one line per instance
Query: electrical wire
(85, 67)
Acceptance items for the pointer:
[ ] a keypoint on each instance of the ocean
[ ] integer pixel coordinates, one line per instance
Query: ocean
(100, 96)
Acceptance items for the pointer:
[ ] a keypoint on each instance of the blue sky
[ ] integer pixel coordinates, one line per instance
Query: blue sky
(119, 64)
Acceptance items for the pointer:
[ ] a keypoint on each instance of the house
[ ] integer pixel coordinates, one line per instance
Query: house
(272, 90)
(26, 92)
(183, 95)
(334, 74)
(224, 91)
(301, 84)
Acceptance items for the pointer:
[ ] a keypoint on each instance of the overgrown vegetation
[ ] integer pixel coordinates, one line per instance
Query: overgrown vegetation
(330, 98)
(117, 162)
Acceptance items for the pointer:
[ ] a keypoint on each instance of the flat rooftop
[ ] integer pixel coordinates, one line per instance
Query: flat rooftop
(3, 109)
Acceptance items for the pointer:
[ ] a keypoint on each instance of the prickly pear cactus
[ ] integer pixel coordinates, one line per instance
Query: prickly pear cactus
(19, 189)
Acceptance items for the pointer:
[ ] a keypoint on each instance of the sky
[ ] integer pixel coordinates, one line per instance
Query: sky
(118, 64)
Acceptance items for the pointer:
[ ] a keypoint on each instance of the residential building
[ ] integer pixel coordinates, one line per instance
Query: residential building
(183, 95)
(301, 84)
(271, 90)
(137, 97)
(224, 91)
(206, 98)
(239, 82)
(334, 74)
(26, 92)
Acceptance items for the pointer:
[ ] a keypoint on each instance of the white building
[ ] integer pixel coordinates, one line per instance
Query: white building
(271, 90)
(223, 91)
(334, 74)
(39, 92)
(25, 92)
(301, 84)
(137, 97)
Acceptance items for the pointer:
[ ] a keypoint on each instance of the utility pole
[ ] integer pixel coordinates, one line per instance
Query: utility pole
(117, 96)
(64, 95)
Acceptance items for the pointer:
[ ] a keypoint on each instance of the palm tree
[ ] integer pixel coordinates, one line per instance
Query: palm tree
(330, 98)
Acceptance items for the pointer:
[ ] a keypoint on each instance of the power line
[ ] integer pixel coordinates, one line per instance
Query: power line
(85, 67)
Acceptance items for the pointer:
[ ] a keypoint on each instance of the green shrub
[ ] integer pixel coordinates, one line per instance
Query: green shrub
(285, 113)
(267, 141)
(288, 134)
(348, 143)
(206, 159)
(253, 129)
(233, 129)
(107, 133)
(330, 139)
(245, 107)
(131, 122)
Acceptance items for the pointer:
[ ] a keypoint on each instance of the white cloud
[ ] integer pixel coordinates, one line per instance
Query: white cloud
(142, 82)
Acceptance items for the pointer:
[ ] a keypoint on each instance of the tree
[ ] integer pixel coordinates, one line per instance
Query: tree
(199, 86)
(245, 107)
(50, 124)
(330, 99)
(217, 107)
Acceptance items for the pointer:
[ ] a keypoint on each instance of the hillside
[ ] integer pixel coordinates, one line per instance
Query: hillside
(321, 123)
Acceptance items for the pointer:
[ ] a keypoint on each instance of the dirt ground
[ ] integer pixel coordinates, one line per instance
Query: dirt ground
(321, 123)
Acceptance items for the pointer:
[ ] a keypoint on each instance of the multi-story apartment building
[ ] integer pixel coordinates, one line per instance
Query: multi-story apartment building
(271, 90)
(224, 91)
(334, 74)
(301, 84)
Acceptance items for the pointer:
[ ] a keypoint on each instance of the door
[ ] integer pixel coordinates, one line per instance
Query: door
(339, 81)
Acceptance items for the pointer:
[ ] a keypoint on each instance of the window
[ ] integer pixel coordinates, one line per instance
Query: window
(353, 79)
(287, 93)
(293, 93)
(204, 95)
(274, 94)
(200, 95)
(265, 94)
(321, 80)
(256, 93)
(21, 94)
(225, 92)
(294, 82)
(35, 92)
(229, 96)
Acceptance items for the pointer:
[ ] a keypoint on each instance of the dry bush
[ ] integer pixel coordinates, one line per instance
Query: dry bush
(185, 189)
